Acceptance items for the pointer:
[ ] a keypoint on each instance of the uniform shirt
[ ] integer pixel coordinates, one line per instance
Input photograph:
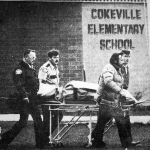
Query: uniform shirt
(25, 79)
(49, 79)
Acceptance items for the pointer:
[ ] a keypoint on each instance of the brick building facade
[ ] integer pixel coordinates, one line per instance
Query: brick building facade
(69, 27)
(40, 26)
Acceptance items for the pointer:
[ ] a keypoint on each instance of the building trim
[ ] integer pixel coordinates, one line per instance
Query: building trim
(104, 1)
(93, 1)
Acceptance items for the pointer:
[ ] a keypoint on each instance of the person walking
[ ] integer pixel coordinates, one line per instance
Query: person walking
(125, 56)
(108, 93)
(26, 83)
(49, 88)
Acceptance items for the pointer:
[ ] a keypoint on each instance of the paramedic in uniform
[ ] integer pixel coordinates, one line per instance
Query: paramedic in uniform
(48, 89)
(26, 83)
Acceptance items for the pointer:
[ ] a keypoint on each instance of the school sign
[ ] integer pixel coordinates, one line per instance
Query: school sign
(110, 28)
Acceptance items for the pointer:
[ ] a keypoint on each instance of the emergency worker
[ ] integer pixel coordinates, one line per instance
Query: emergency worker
(49, 88)
(26, 83)
(108, 92)
(125, 56)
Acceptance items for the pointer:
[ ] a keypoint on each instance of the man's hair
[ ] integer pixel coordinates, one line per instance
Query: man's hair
(27, 51)
(114, 60)
(125, 52)
(53, 52)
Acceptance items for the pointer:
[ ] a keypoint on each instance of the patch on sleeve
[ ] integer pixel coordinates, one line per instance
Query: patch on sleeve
(45, 70)
(18, 71)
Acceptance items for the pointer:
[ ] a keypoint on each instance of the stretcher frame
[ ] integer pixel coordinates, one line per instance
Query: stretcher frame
(79, 110)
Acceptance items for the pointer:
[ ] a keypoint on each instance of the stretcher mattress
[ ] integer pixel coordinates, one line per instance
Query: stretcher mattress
(79, 92)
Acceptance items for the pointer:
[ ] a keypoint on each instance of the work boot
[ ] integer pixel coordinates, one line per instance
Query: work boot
(135, 143)
(97, 144)
(132, 144)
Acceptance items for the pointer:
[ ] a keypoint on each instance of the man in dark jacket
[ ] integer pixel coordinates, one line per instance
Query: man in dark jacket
(125, 55)
(26, 83)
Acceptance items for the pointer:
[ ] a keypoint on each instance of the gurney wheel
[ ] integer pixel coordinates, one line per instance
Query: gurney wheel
(51, 145)
(60, 144)
(87, 145)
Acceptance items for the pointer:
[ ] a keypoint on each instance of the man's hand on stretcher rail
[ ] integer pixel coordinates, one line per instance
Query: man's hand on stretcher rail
(96, 98)
(58, 94)
(130, 105)
(131, 101)
(127, 95)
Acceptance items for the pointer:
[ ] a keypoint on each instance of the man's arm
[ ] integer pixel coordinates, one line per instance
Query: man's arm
(108, 75)
(19, 81)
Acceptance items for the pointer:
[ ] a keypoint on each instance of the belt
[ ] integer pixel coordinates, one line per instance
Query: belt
(32, 93)
(49, 97)
(46, 82)
(110, 103)
(43, 81)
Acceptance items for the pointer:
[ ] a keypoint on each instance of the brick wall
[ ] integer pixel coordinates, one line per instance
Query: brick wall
(40, 26)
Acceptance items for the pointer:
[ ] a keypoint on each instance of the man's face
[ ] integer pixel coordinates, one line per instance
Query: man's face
(121, 61)
(54, 60)
(30, 58)
(125, 58)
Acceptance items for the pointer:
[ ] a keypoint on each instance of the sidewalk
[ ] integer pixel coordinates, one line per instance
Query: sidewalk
(83, 119)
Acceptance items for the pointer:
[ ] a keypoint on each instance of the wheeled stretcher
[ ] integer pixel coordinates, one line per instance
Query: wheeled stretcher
(79, 110)
(76, 97)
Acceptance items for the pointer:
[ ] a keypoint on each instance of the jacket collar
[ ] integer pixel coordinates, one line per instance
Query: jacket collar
(24, 64)
(116, 67)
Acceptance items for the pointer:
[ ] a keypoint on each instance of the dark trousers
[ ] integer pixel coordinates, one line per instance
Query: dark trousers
(128, 125)
(46, 118)
(105, 114)
(25, 109)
